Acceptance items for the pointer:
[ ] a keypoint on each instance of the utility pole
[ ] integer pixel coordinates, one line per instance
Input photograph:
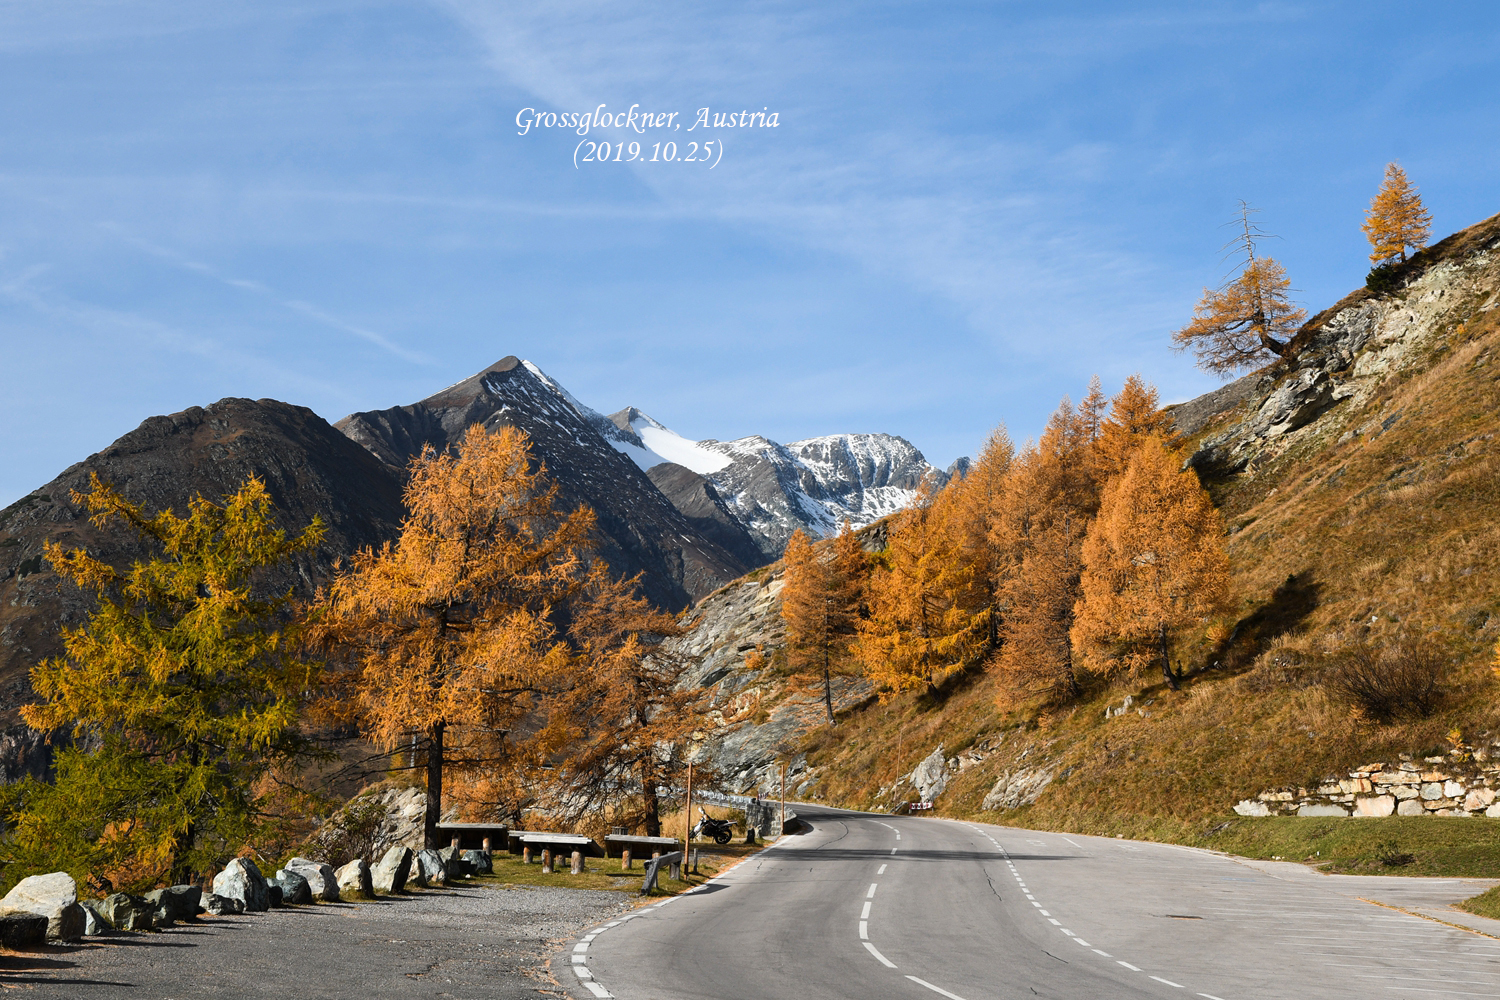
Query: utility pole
(783, 800)
(687, 823)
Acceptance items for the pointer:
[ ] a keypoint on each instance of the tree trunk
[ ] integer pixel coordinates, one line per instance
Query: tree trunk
(1166, 662)
(434, 785)
(653, 805)
(827, 688)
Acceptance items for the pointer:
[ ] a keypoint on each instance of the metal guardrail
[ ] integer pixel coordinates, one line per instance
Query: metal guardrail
(654, 869)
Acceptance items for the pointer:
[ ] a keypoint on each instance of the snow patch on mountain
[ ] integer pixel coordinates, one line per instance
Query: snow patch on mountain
(772, 489)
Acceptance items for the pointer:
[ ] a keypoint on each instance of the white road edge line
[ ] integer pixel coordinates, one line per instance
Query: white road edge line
(1169, 982)
(1210, 996)
(596, 989)
(882, 959)
(935, 989)
(864, 930)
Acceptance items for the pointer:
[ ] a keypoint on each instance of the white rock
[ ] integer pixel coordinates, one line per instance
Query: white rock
(1404, 791)
(931, 776)
(1493, 812)
(1321, 809)
(1411, 807)
(1453, 789)
(1478, 799)
(1251, 807)
(242, 880)
(1374, 805)
(1432, 791)
(54, 896)
(321, 879)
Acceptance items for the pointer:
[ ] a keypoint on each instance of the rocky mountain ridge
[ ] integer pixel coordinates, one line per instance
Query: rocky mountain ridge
(769, 489)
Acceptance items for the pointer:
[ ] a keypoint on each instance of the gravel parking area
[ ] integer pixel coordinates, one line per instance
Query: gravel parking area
(470, 943)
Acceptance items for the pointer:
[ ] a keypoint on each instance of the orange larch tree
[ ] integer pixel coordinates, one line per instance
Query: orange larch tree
(1051, 496)
(928, 613)
(453, 625)
(1135, 414)
(1235, 326)
(1153, 563)
(820, 599)
(1396, 219)
(619, 729)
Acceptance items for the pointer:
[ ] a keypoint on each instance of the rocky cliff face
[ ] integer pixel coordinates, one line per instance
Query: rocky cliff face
(640, 531)
(309, 468)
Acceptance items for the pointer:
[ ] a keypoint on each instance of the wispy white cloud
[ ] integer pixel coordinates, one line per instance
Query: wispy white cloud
(298, 306)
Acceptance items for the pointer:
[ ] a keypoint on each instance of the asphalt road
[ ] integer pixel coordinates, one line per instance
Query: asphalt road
(880, 907)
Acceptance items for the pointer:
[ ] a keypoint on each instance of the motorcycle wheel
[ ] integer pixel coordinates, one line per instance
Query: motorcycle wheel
(721, 838)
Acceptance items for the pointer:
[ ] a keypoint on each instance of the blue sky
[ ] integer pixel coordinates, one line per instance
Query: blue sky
(964, 212)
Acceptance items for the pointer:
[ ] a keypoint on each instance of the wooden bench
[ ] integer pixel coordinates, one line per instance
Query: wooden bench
(640, 847)
(471, 836)
(562, 844)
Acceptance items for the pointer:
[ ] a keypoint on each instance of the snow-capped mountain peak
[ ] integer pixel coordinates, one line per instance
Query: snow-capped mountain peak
(770, 489)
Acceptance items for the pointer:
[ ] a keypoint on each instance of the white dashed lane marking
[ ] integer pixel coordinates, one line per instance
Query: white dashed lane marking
(1021, 884)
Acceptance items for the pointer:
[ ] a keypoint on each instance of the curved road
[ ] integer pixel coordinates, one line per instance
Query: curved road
(877, 907)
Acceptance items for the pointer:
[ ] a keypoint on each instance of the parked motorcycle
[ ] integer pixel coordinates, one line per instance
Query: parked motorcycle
(721, 830)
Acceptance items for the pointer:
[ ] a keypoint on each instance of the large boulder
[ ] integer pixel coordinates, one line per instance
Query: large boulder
(394, 869)
(178, 902)
(321, 879)
(429, 868)
(931, 776)
(221, 906)
(125, 912)
(54, 896)
(274, 897)
(241, 880)
(22, 930)
(456, 863)
(482, 862)
(354, 879)
(294, 888)
(93, 923)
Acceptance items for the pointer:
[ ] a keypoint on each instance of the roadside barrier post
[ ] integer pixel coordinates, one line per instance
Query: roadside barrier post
(783, 800)
(687, 820)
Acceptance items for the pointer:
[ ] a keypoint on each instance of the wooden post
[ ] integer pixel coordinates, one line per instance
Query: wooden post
(625, 860)
(783, 800)
(455, 841)
(546, 861)
(687, 823)
(674, 870)
(577, 863)
(486, 844)
(525, 855)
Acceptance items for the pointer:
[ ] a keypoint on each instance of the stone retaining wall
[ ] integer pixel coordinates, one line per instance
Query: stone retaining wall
(1456, 785)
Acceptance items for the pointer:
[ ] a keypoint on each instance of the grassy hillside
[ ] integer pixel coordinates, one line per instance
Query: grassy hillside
(1375, 520)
